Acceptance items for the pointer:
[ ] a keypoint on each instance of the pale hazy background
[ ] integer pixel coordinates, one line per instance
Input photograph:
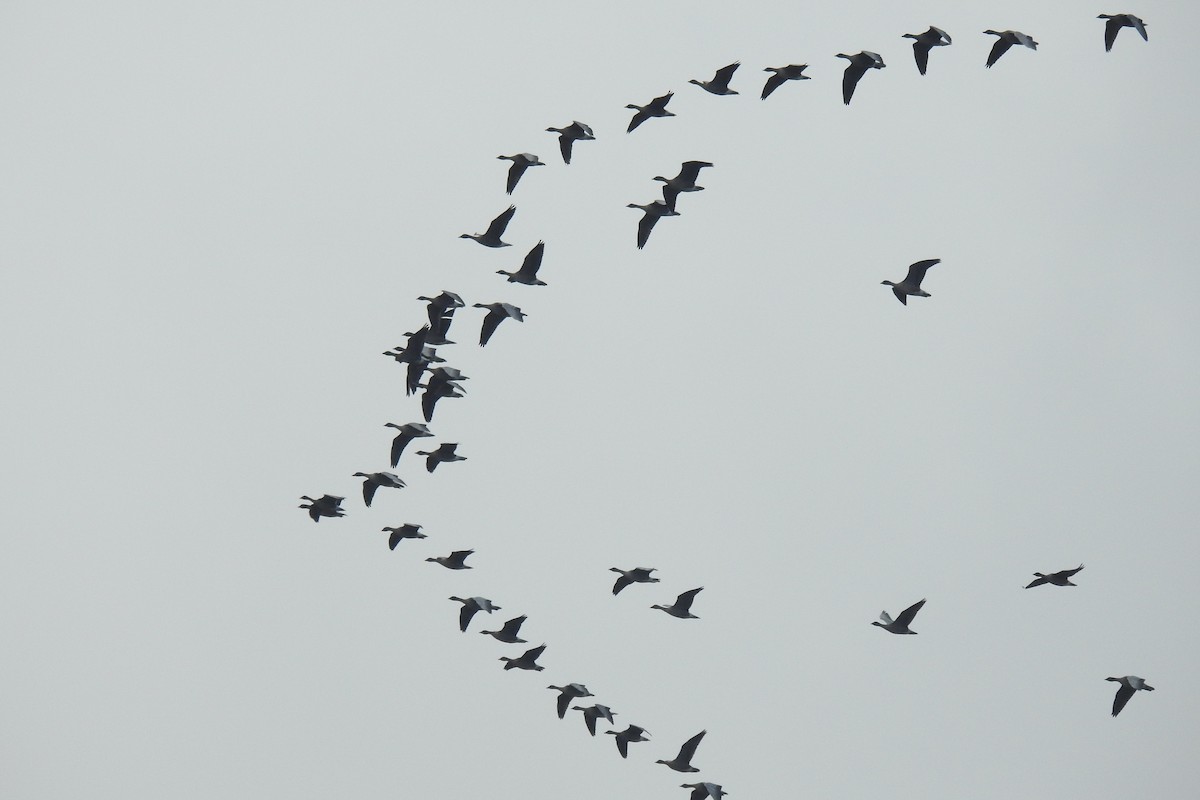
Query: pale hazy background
(217, 216)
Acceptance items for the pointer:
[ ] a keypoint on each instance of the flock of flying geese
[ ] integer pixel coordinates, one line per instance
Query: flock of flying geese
(419, 353)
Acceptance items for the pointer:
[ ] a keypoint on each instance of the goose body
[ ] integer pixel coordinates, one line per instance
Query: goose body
(471, 605)
(683, 761)
(685, 181)
(653, 212)
(631, 734)
(408, 432)
(655, 108)
(568, 693)
(443, 455)
(527, 274)
(1129, 685)
(405, 531)
(911, 285)
(635, 575)
(491, 237)
(527, 660)
(1118, 21)
(682, 607)
(924, 42)
(1061, 578)
(702, 791)
(792, 72)
(520, 163)
(373, 480)
(497, 313)
(860, 62)
(435, 392)
(1006, 40)
(720, 81)
(456, 560)
(902, 621)
(576, 131)
(508, 632)
(327, 505)
(593, 713)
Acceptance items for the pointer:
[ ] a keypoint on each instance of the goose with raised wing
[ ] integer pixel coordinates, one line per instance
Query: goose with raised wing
(527, 274)
(593, 713)
(575, 132)
(682, 607)
(520, 163)
(1060, 578)
(683, 761)
(902, 621)
(508, 632)
(443, 455)
(705, 790)
(720, 81)
(1006, 40)
(1118, 21)
(456, 560)
(491, 237)
(911, 285)
(685, 181)
(497, 313)
(860, 62)
(924, 42)
(527, 660)
(1129, 685)
(373, 480)
(792, 72)
(655, 108)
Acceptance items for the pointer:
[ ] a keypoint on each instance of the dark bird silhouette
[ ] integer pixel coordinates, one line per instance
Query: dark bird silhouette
(911, 285)
(520, 163)
(456, 560)
(406, 531)
(720, 82)
(682, 608)
(327, 505)
(567, 136)
(1118, 21)
(792, 72)
(527, 660)
(470, 606)
(655, 108)
(901, 623)
(635, 575)
(685, 181)
(1129, 685)
(491, 237)
(1062, 578)
(1007, 39)
(408, 432)
(444, 454)
(631, 734)
(527, 274)
(924, 42)
(860, 62)
(441, 311)
(701, 791)
(497, 313)
(653, 213)
(436, 390)
(593, 713)
(508, 633)
(376, 479)
(566, 694)
(683, 761)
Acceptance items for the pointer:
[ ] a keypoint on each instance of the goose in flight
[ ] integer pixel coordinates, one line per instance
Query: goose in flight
(435, 391)
(685, 181)
(924, 42)
(911, 285)
(567, 136)
(720, 81)
(701, 791)
(1118, 21)
(456, 560)
(655, 108)
(1061, 578)
(376, 479)
(441, 312)
(408, 432)
(497, 313)
(327, 505)
(568, 693)
(683, 605)
(527, 274)
(527, 660)
(901, 623)
(1007, 39)
(508, 633)
(653, 212)
(491, 237)
(593, 713)
(520, 163)
(1129, 685)
(683, 761)
(792, 72)
(860, 62)
(635, 575)
(470, 606)
(631, 734)
(405, 531)
(444, 454)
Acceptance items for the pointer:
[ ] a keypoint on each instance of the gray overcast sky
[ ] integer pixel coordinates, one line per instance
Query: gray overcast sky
(215, 218)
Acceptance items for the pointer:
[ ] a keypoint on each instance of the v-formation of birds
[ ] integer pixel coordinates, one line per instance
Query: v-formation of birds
(419, 353)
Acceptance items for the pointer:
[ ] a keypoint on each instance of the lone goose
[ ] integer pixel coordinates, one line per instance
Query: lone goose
(497, 313)
(568, 693)
(1118, 21)
(408, 432)
(635, 575)
(444, 454)
(631, 734)
(470, 606)
(655, 108)
(376, 479)
(911, 285)
(683, 604)
(405, 531)
(527, 660)
(456, 560)
(508, 633)
(792, 72)
(653, 212)
(720, 82)
(700, 791)
(924, 42)
(901, 623)
(520, 163)
(1129, 685)
(860, 62)
(567, 136)
(327, 505)
(1062, 578)
(593, 713)
(685, 181)
(1007, 39)
(683, 761)
(527, 274)
(491, 237)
